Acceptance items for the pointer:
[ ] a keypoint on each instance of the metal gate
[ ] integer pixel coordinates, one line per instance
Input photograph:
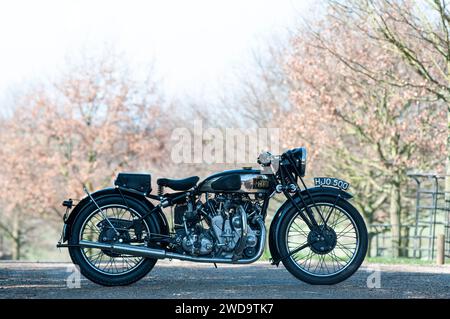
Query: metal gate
(430, 218)
(431, 215)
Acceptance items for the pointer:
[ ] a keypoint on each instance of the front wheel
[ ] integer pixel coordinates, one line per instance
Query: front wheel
(330, 253)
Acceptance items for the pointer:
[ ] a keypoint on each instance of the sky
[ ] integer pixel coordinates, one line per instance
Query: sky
(193, 45)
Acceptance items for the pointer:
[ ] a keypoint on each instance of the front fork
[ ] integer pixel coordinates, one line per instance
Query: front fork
(309, 217)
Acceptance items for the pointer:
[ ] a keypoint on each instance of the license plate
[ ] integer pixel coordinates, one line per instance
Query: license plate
(331, 182)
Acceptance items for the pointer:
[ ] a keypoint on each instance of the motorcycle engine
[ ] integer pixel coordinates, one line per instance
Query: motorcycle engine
(225, 229)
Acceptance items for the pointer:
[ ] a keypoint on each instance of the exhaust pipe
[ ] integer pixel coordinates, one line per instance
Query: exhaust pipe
(138, 251)
(147, 252)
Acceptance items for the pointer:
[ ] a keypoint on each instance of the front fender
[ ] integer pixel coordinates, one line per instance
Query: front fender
(161, 218)
(275, 224)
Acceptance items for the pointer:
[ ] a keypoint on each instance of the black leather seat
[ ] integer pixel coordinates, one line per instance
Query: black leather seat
(178, 184)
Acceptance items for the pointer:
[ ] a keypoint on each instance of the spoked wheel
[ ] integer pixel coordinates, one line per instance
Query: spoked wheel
(332, 252)
(111, 224)
(97, 228)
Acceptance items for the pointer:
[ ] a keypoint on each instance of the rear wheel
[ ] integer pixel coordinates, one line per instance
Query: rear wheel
(332, 252)
(102, 266)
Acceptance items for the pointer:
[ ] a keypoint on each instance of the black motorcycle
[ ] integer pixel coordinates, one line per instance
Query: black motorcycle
(117, 234)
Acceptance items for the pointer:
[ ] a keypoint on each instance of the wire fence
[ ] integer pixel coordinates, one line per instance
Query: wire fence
(430, 218)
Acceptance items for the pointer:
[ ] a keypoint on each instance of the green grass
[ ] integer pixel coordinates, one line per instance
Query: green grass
(379, 260)
(266, 255)
(407, 261)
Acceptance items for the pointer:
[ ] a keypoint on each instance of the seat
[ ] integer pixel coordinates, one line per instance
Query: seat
(178, 184)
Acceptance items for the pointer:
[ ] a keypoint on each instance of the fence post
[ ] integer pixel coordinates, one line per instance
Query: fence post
(440, 256)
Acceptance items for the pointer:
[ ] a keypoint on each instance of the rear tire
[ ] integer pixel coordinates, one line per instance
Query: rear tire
(299, 270)
(79, 257)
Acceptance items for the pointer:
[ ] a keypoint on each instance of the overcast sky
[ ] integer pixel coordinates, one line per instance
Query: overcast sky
(194, 44)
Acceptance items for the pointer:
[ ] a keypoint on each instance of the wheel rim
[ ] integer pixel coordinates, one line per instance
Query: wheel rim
(109, 264)
(330, 262)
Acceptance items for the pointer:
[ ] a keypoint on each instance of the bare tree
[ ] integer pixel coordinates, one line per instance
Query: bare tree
(416, 31)
(377, 130)
(92, 122)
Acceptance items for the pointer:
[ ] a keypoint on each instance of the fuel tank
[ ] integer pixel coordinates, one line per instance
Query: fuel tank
(240, 180)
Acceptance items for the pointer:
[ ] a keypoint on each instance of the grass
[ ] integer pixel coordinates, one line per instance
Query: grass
(379, 260)
(266, 255)
(403, 261)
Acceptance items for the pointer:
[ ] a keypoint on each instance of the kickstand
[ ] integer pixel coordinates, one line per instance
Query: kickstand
(215, 265)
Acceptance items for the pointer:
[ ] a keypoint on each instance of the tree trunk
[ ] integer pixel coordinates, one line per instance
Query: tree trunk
(394, 214)
(447, 172)
(447, 164)
(404, 229)
(404, 241)
(16, 238)
(369, 245)
(2, 248)
(17, 249)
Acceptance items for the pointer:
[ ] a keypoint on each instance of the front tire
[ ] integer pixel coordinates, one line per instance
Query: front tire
(329, 257)
(86, 225)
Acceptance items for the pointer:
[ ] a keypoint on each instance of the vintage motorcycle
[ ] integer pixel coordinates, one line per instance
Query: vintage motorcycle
(117, 234)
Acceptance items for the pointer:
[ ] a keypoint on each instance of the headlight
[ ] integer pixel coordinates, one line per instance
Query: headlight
(298, 156)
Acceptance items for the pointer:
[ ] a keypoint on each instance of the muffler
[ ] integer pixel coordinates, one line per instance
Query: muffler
(138, 251)
(147, 252)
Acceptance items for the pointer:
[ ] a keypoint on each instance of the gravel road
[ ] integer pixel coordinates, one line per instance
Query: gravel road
(175, 279)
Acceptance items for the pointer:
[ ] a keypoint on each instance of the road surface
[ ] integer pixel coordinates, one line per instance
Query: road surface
(176, 279)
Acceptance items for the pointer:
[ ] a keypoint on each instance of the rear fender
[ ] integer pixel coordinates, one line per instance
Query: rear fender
(158, 215)
(287, 205)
